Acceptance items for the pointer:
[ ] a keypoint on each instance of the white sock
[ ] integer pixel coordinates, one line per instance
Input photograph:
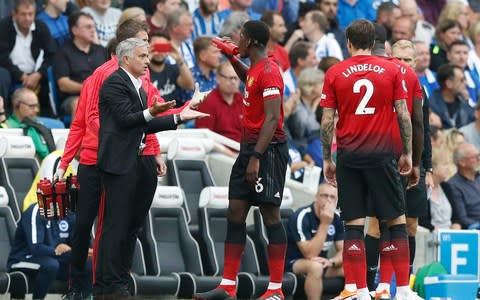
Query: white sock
(383, 286)
(363, 293)
(403, 291)
(227, 282)
(351, 287)
(274, 285)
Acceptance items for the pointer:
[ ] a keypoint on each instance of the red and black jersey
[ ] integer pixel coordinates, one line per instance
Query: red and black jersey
(363, 89)
(264, 82)
(414, 93)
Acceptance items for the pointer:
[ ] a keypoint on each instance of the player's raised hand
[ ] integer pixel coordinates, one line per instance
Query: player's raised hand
(159, 107)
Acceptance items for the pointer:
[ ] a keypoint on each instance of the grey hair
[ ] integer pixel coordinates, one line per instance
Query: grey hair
(19, 95)
(126, 48)
(308, 79)
(458, 154)
(174, 17)
(233, 23)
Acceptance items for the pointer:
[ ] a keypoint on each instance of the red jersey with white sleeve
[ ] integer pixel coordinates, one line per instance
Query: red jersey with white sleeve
(264, 82)
(85, 125)
(363, 89)
(414, 93)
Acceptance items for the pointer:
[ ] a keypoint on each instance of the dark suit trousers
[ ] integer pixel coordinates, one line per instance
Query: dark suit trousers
(128, 200)
(87, 208)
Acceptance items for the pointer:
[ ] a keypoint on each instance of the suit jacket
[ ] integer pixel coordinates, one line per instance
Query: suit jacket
(464, 115)
(122, 124)
(41, 40)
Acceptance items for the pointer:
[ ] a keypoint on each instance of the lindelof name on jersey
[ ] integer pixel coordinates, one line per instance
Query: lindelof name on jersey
(362, 68)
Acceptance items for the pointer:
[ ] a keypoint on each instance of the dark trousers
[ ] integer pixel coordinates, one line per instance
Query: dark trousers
(128, 200)
(87, 208)
(51, 268)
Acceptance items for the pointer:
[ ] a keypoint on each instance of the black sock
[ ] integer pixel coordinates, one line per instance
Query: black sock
(372, 252)
(412, 247)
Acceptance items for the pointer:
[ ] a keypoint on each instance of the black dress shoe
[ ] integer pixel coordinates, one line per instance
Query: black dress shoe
(216, 294)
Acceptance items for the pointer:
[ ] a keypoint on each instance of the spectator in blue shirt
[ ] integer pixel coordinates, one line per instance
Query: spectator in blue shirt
(465, 186)
(349, 11)
(54, 16)
(41, 249)
(208, 59)
(242, 6)
(427, 78)
(206, 19)
(312, 231)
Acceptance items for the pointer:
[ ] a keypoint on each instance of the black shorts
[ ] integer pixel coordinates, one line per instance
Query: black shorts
(376, 191)
(271, 177)
(416, 198)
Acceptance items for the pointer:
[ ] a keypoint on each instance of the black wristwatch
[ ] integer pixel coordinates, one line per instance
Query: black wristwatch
(257, 155)
(429, 170)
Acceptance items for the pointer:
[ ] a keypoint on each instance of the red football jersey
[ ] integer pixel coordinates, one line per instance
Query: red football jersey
(363, 90)
(414, 93)
(264, 82)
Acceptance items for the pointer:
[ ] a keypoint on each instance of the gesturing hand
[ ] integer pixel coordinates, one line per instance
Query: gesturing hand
(198, 97)
(159, 107)
(190, 114)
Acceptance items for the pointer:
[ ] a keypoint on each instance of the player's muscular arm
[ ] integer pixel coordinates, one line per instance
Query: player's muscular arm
(239, 67)
(272, 115)
(326, 132)
(405, 124)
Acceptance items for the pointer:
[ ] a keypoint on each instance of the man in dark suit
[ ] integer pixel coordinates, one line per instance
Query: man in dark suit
(129, 179)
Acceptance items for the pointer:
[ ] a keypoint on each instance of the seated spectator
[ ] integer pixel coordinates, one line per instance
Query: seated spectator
(41, 249)
(387, 13)
(77, 60)
(161, 10)
(224, 104)
(424, 31)
(327, 62)
(312, 231)
(302, 124)
(105, 17)
(457, 54)
(244, 6)
(450, 102)
(132, 13)
(301, 56)
(170, 79)
(54, 16)
(208, 59)
(232, 25)
(440, 207)
(314, 27)
(25, 110)
(446, 33)
(277, 28)
(452, 138)
(403, 29)
(427, 78)
(180, 29)
(330, 10)
(471, 132)
(26, 51)
(206, 19)
(466, 186)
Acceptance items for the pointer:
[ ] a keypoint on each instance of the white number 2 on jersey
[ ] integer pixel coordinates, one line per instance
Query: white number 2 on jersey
(362, 108)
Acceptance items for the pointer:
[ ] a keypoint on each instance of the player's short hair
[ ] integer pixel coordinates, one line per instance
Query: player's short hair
(299, 50)
(446, 72)
(258, 32)
(129, 29)
(361, 34)
(327, 62)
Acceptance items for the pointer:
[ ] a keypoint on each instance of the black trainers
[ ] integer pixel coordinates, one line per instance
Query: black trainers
(73, 295)
(216, 294)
